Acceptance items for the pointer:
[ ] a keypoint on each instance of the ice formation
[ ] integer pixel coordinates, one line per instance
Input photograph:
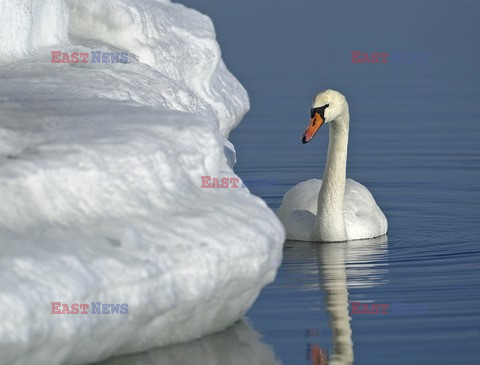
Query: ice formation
(100, 182)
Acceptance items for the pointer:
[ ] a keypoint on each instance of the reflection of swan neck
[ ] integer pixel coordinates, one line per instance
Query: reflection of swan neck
(334, 283)
(329, 222)
(337, 306)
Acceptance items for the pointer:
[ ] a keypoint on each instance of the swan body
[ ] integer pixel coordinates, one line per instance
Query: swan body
(363, 217)
(335, 208)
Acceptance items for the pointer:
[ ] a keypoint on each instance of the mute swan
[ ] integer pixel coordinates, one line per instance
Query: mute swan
(337, 209)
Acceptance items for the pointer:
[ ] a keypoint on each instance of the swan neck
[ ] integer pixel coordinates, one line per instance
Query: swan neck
(335, 172)
(330, 223)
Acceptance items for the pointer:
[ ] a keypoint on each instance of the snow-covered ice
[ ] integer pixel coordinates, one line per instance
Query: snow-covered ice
(100, 182)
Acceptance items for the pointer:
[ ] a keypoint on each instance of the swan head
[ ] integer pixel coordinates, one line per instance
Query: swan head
(327, 106)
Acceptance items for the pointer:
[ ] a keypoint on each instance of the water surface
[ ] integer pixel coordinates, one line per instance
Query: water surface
(423, 169)
(414, 142)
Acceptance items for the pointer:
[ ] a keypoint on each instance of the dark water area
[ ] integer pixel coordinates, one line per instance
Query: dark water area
(422, 166)
(414, 142)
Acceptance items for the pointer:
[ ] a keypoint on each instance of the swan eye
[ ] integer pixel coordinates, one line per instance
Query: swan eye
(320, 110)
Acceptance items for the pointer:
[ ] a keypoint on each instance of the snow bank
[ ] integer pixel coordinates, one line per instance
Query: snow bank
(28, 25)
(100, 183)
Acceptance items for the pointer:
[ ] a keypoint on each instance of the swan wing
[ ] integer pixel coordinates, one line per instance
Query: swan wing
(298, 209)
(363, 217)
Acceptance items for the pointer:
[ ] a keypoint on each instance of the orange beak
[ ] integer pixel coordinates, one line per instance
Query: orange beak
(315, 124)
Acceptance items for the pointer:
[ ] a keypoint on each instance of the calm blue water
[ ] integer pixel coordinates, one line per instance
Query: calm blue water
(414, 142)
(422, 166)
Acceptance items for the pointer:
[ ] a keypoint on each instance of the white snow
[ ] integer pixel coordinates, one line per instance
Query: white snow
(100, 175)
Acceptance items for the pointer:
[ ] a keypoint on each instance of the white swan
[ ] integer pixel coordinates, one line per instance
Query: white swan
(337, 209)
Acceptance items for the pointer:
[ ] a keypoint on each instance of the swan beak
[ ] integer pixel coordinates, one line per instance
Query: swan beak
(315, 124)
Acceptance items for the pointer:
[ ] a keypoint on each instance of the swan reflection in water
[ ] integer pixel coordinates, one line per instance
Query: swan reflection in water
(341, 266)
